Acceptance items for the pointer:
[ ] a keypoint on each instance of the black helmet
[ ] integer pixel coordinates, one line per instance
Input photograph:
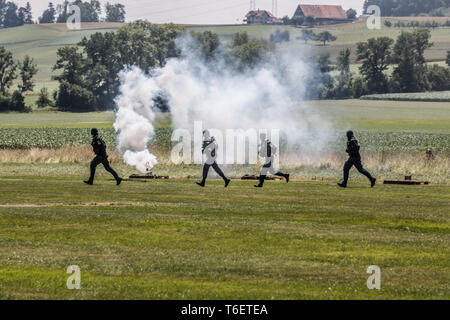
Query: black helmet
(94, 131)
(350, 134)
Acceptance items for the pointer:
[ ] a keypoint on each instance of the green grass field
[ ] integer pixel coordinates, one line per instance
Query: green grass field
(171, 240)
(358, 114)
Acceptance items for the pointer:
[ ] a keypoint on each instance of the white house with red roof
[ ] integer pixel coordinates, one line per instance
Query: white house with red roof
(261, 17)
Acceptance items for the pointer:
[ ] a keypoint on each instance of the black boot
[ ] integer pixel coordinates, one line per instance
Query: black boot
(227, 182)
(281, 174)
(342, 185)
(119, 181)
(372, 182)
(261, 181)
(201, 184)
(88, 182)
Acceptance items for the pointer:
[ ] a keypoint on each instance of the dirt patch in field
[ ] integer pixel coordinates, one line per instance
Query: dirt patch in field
(21, 205)
(91, 204)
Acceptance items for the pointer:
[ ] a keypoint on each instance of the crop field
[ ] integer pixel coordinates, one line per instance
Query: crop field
(382, 125)
(26, 138)
(443, 96)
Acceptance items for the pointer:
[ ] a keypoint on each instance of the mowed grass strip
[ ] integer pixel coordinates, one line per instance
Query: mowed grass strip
(171, 239)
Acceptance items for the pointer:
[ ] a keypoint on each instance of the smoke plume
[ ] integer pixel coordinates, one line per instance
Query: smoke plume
(269, 96)
(134, 119)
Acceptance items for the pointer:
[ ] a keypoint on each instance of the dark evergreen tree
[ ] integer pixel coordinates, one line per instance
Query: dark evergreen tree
(28, 14)
(48, 16)
(11, 18)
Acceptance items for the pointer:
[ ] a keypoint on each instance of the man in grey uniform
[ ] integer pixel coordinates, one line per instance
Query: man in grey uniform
(268, 151)
(209, 149)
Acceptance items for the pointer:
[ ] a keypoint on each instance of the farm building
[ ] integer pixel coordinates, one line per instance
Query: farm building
(324, 14)
(261, 17)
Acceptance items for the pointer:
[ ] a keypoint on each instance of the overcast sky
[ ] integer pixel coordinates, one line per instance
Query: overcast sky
(198, 11)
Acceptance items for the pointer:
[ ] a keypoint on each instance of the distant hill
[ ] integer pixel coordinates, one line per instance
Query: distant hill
(42, 41)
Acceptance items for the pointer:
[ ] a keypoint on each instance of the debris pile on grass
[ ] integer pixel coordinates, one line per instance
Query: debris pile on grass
(256, 177)
(147, 176)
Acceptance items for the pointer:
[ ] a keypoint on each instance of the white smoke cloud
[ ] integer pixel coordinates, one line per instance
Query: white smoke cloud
(267, 97)
(134, 119)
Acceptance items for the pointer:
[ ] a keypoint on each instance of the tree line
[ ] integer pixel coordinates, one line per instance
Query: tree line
(405, 8)
(306, 35)
(406, 56)
(11, 15)
(88, 74)
(15, 72)
(417, 24)
(90, 12)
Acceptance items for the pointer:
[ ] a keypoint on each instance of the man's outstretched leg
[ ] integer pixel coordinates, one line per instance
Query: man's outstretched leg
(111, 170)
(221, 174)
(363, 171)
(94, 163)
(281, 174)
(205, 175)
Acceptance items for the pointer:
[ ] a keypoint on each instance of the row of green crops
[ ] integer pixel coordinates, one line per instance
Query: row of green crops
(402, 140)
(52, 138)
(26, 138)
(436, 96)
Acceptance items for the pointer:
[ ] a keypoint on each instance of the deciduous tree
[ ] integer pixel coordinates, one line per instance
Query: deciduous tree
(375, 55)
(27, 70)
(325, 37)
(7, 70)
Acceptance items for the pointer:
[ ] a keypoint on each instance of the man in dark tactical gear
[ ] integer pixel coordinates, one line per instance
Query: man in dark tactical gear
(354, 160)
(209, 149)
(268, 151)
(99, 147)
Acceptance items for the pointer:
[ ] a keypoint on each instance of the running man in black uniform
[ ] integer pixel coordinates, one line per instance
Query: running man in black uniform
(99, 147)
(354, 160)
(209, 149)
